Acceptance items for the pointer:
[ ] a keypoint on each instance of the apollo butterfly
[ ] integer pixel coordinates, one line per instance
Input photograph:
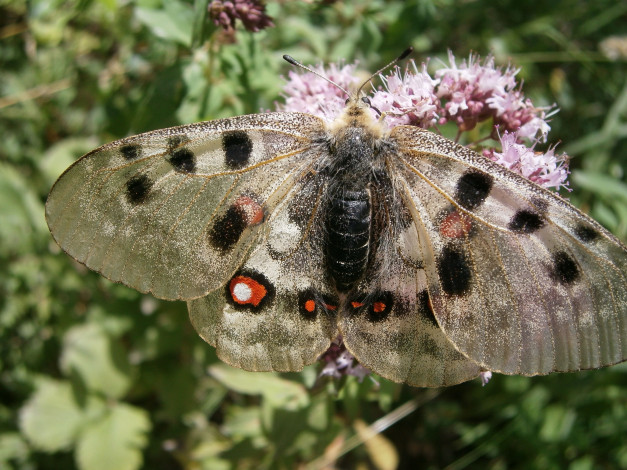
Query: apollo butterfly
(283, 231)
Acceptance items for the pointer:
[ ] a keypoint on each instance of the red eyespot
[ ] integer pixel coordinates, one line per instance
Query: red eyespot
(456, 225)
(310, 306)
(245, 290)
(251, 209)
(356, 304)
(379, 307)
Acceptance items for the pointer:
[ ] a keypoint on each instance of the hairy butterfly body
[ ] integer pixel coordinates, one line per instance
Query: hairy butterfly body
(283, 231)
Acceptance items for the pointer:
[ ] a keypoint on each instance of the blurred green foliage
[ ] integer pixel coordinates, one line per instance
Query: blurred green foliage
(96, 376)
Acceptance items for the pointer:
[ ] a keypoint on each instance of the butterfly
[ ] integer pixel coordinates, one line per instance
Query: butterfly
(283, 231)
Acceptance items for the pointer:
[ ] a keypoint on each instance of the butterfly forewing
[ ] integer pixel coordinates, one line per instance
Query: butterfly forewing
(520, 281)
(173, 212)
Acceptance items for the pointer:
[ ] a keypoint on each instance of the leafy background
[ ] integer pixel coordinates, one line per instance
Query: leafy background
(96, 376)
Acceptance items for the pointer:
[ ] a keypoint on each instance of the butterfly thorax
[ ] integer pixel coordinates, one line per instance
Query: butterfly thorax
(354, 148)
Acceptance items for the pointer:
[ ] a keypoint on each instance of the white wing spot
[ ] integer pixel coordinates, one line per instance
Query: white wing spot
(285, 237)
(242, 292)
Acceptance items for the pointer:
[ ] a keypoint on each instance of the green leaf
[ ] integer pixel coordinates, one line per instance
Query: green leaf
(52, 418)
(114, 442)
(22, 212)
(12, 447)
(90, 356)
(381, 451)
(242, 423)
(600, 184)
(173, 23)
(558, 423)
(273, 388)
(583, 463)
(202, 27)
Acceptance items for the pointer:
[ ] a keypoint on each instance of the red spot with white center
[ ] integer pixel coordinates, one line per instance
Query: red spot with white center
(246, 291)
(456, 225)
(251, 210)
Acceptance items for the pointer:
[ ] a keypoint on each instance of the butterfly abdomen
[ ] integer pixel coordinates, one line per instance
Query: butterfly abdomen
(348, 237)
(349, 210)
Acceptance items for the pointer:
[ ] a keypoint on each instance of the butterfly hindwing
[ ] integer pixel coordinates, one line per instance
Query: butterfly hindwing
(387, 323)
(520, 281)
(173, 211)
(276, 312)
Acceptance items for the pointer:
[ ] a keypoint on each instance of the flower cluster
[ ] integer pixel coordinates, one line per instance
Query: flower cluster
(252, 13)
(340, 362)
(543, 168)
(408, 98)
(472, 92)
(309, 93)
(465, 94)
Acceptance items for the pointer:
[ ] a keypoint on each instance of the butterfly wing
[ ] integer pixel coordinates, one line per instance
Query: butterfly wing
(387, 321)
(519, 280)
(388, 325)
(174, 212)
(278, 311)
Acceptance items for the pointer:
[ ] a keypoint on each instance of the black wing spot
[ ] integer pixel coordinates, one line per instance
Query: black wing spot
(525, 221)
(565, 269)
(138, 189)
(454, 271)
(237, 147)
(228, 229)
(183, 160)
(380, 306)
(175, 142)
(424, 308)
(131, 151)
(585, 233)
(473, 188)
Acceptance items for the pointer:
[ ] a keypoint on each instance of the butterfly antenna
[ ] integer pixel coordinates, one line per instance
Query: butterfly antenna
(405, 53)
(293, 61)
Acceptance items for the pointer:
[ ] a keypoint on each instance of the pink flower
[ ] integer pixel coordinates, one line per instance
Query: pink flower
(307, 93)
(340, 362)
(485, 377)
(408, 98)
(543, 168)
(473, 92)
(466, 89)
(514, 113)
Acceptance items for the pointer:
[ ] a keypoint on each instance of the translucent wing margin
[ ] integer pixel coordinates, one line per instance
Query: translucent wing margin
(520, 281)
(174, 211)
